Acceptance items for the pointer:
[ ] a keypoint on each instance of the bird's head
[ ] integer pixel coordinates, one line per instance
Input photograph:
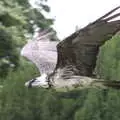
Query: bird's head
(41, 81)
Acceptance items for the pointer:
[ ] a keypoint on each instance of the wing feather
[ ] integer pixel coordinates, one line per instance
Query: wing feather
(42, 52)
(81, 48)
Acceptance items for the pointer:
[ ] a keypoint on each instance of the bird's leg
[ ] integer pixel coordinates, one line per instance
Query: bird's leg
(49, 80)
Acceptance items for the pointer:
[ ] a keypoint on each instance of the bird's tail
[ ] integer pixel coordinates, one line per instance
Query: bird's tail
(107, 84)
(82, 82)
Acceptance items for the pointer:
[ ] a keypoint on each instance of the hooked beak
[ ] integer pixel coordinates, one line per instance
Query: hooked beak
(29, 83)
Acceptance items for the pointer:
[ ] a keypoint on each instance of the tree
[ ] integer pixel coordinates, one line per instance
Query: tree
(18, 20)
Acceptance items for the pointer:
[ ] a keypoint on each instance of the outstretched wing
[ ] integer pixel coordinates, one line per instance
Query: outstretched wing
(79, 51)
(42, 52)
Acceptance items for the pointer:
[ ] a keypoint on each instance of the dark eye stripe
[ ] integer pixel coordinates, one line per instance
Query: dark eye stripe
(30, 84)
(37, 81)
(32, 80)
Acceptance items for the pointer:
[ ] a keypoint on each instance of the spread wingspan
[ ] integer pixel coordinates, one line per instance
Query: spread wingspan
(75, 57)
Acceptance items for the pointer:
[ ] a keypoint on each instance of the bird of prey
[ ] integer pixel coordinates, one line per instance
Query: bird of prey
(69, 64)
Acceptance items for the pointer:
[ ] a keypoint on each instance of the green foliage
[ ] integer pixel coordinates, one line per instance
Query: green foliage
(18, 102)
(8, 52)
(17, 19)
(37, 18)
(108, 66)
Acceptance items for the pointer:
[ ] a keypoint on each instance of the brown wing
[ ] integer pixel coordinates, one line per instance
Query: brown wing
(79, 51)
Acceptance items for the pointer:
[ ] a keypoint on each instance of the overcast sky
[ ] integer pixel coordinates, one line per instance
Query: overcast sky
(71, 13)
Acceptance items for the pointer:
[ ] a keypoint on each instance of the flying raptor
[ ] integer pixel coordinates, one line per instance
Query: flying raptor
(70, 63)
